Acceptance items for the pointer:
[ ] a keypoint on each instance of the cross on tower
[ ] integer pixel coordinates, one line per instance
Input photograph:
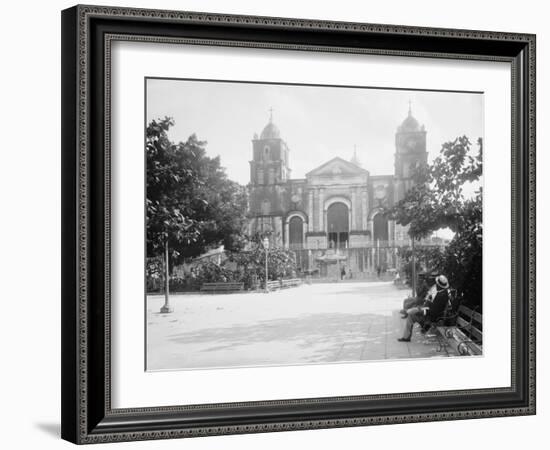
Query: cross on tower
(270, 114)
(410, 108)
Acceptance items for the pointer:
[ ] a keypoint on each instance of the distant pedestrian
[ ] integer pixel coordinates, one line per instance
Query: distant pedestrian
(343, 272)
(397, 279)
(378, 270)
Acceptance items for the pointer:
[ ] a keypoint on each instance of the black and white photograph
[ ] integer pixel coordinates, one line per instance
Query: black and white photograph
(294, 224)
(288, 225)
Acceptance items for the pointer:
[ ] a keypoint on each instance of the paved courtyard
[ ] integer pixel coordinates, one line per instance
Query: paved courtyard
(318, 323)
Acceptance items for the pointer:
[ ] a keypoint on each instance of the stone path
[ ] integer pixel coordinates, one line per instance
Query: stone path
(311, 324)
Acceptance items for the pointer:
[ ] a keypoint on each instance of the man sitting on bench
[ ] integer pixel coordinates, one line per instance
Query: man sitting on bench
(430, 310)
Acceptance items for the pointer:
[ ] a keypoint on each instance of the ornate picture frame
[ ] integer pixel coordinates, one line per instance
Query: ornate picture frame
(88, 33)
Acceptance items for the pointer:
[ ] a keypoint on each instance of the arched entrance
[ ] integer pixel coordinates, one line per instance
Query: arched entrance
(296, 232)
(338, 225)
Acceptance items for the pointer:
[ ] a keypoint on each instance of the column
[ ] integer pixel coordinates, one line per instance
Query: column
(286, 236)
(364, 210)
(278, 230)
(353, 224)
(369, 261)
(315, 219)
(391, 231)
(310, 211)
(321, 206)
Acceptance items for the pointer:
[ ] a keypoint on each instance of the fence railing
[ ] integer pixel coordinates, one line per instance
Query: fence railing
(369, 245)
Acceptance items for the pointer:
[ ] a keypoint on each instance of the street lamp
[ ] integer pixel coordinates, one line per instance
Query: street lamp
(413, 269)
(266, 248)
(166, 308)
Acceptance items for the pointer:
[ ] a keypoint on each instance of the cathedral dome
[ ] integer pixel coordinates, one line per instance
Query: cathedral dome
(410, 124)
(270, 132)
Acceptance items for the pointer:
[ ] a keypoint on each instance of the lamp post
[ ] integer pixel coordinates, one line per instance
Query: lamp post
(265, 243)
(413, 271)
(166, 308)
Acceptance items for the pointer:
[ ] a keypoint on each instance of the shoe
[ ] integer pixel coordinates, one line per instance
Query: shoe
(404, 340)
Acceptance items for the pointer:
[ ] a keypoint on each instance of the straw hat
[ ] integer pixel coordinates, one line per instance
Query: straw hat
(442, 281)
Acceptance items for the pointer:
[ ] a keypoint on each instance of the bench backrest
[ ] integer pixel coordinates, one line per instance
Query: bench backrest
(292, 281)
(470, 322)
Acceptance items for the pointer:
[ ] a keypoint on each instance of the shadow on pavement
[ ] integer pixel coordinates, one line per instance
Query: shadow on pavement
(325, 334)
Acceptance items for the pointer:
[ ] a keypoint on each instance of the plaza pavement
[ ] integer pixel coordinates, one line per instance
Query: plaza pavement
(318, 323)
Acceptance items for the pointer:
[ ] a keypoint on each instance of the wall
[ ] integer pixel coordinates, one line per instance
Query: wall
(30, 187)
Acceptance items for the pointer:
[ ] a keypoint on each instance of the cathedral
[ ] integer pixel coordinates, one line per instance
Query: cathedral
(339, 204)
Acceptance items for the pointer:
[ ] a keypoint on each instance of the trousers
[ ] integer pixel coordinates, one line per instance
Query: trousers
(414, 315)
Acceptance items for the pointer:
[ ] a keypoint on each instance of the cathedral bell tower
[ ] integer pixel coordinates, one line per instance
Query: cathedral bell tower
(269, 173)
(410, 152)
(269, 163)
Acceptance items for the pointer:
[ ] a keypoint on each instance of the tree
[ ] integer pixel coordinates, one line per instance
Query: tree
(448, 194)
(191, 204)
(281, 262)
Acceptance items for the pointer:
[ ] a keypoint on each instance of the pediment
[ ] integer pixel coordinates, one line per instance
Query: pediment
(337, 167)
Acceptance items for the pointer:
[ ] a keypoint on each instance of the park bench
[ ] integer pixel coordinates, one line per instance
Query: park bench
(273, 285)
(291, 282)
(465, 336)
(230, 286)
(283, 284)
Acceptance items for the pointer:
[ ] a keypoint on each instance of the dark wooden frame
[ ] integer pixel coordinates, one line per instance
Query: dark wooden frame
(87, 32)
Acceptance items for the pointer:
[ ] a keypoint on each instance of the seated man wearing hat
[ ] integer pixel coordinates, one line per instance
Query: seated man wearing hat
(431, 310)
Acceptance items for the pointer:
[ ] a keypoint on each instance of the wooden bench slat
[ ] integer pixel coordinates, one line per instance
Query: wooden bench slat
(279, 284)
(292, 282)
(464, 325)
(470, 313)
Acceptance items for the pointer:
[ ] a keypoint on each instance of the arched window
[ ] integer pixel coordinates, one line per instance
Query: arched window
(267, 155)
(266, 207)
(296, 232)
(338, 225)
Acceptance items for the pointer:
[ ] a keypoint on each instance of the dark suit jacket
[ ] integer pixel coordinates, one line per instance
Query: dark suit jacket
(437, 306)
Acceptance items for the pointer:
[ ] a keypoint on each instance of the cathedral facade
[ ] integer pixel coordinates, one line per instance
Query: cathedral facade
(339, 204)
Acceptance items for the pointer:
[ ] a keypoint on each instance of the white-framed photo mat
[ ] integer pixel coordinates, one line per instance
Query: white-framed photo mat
(132, 386)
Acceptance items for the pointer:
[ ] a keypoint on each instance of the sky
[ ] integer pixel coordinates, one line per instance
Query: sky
(317, 123)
